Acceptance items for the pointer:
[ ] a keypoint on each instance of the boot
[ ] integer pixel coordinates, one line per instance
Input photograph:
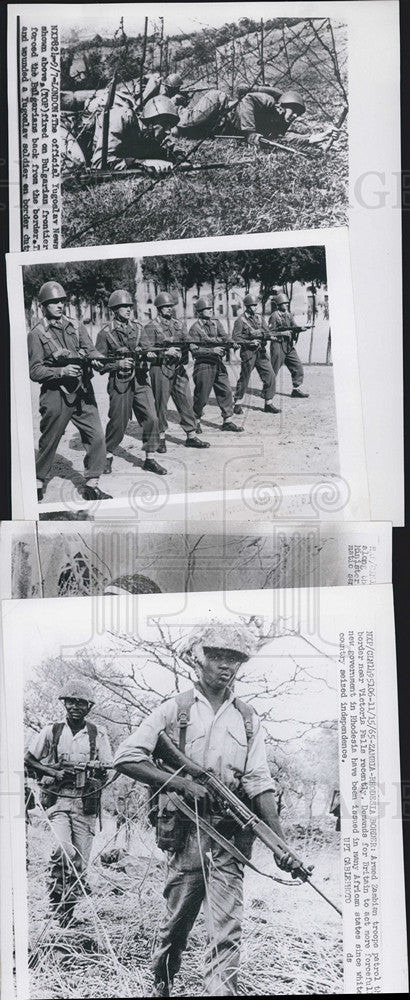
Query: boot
(150, 465)
(298, 393)
(162, 447)
(192, 442)
(237, 408)
(269, 408)
(94, 493)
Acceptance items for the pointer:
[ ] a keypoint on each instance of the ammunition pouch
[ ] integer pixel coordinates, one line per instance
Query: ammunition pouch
(48, 794)
(171, 827)
(91, 796)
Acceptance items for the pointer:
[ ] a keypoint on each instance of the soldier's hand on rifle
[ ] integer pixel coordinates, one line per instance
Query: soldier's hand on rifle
(158, 167)
(173, 352)
(220, 351)
(72, 371)
(189, 788)
(254, 139)
(97, 365)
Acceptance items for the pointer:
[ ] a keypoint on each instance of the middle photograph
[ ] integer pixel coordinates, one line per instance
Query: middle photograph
(151, 381)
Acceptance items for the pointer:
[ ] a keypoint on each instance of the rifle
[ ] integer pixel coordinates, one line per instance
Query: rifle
(71, 180)
(233, 808)
(87, 779)
(63, 357)
(292, 331)
(141, 355)
(263, 143)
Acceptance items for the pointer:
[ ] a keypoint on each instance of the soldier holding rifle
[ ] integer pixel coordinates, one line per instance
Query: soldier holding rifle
(223, 734)
(251, 332)
(62, 358)
(168, 374)
(126, 348)
(282, 349)
(209, 342)
(72, 758)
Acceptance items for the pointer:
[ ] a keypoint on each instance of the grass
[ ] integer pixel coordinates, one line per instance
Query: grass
(264, 193)
(292, 941)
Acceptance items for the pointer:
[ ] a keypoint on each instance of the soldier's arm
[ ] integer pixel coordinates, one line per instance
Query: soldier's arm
(36, 765)
(40, 371)
(86, 343)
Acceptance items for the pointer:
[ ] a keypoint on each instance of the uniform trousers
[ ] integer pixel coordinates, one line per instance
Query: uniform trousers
(56, 414)
(203, 873)
(281, 354)
(255, 359)
(210, 375)
(138, 399)
(176, 386)
(73, 832)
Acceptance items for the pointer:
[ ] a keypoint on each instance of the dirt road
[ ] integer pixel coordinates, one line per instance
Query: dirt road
(299, 442)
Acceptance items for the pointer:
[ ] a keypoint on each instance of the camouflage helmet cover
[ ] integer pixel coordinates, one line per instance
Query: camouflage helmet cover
(120, 298)
(220, 636)
(279, 299)
(292, 98)
(77, 689)
(203, 303)
(51, 290)
(164, 299)
(250, 300)
(160, 108)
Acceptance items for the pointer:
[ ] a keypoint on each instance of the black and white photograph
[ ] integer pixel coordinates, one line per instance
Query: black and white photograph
(189, 375)
(59, 559)
(185, 785)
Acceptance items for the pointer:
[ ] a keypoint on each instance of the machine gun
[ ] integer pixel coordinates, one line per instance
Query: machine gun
(87, 779)
(62, 358)
(291, 332)
(233, 808)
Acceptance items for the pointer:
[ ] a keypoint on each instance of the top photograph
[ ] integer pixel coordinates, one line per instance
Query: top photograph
(136, 126)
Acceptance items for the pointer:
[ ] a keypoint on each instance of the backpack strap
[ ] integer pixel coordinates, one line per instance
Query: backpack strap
(184, 701)
(247, 716)
(57, 730)
(92, 736)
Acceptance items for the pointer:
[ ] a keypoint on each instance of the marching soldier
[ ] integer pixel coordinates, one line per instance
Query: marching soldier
(168, 374)
(247, 332)
(56, 754)
(128, 383)
(62, 357)
(282, 349)
(209, 369)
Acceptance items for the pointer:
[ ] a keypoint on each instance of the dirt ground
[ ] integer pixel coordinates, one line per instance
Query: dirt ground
(293, 446)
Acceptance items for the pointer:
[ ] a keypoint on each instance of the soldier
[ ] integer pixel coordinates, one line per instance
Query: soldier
(261, 113)
(57, 754)
(282, 349)
(209, 369)
(168, 374)
(248, 331)
(169, 87)
(128, 383)
(222, 733)
(61, 358)
(137, 136)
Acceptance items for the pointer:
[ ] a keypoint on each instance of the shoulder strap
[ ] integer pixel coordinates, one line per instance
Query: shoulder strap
(57, 730)
(184, 701)
(92, 736)
(247, 716)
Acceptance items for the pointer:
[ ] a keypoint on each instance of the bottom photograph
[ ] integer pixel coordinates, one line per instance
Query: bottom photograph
(182, 825)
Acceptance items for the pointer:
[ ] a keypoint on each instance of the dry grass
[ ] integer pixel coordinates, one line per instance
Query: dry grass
(292, 942)
(266, 192)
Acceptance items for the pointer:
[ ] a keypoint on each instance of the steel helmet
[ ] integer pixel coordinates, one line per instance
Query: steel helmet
(164, 299)
(77, 689)
(51, 290)
(203, 303)
(160, 109)
(292, 99)
(120, 298)
(279, 299)
(250, 300)
(221, 636)
(173, 81)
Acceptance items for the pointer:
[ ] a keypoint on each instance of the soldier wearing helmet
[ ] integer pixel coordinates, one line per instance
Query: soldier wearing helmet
(249, 331)
(282, 348)
(60, 752)
(208, 344)
(168, 373)
(124, 344)
(62, 358)
(136, 134)
(260, 112)
(222, 733)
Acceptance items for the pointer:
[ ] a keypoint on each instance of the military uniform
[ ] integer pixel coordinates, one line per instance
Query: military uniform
(168, 375)
(129, 139)
(64, 399)
(283, 351)
(216, 112)
(209, 369)
(248, 327)
(202, 872)
(73, 831)
(132, 395)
